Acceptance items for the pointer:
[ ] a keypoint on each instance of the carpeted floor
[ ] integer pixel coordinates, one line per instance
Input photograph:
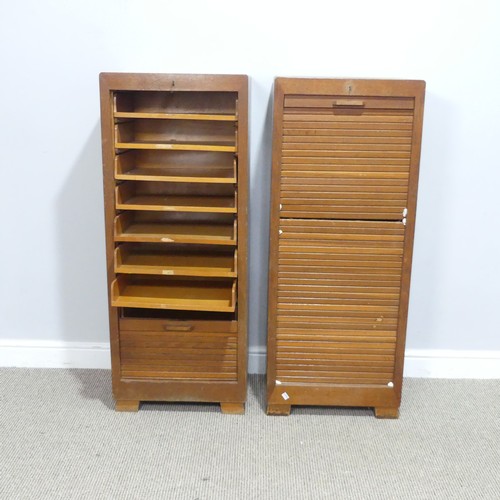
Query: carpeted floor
(60, 438)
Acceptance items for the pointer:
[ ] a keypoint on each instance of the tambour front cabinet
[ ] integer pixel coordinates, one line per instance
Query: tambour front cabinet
(175, 186)
(344, 189)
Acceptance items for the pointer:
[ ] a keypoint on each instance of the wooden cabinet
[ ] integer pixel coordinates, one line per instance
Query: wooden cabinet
(344, 188)
(175, 187)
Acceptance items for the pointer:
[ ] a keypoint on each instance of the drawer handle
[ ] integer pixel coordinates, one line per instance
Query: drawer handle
(178, 328)
(349, 102)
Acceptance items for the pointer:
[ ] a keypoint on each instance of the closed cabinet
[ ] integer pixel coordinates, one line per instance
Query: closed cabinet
(344, 186)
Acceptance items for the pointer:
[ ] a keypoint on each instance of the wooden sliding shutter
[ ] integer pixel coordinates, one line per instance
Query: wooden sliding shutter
(345, 166)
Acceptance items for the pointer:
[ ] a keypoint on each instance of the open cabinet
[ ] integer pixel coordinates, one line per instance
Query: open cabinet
(344, 189)
(175, 189)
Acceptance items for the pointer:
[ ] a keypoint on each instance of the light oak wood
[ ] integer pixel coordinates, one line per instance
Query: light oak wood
(173, 294)
(387, 412)
(176, 166)
(134, 260)
(345, 164)
(128, 228)
(186, 146)
(175, 116)
(279, 410)
(232, 408)
(127, 405)
(175, 188)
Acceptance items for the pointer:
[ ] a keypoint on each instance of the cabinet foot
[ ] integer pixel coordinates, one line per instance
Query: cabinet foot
(233, 408)
(281, 410)
(127, 405)
(386, 412)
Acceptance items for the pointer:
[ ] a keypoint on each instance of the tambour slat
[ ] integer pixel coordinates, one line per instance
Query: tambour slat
(365, 118)
(351, 140)
(290, 169)
(383, 133)
(291, 152)
(351, 147)
(342, 160)
(328, 381)
(339, 364)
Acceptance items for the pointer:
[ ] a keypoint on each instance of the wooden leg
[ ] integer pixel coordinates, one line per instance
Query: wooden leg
(387, 412)
(233, 408)
(127, 405)
(281, 410)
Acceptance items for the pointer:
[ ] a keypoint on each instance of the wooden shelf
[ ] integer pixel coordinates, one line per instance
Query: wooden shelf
(177, 146)
(131, 260)
(126, 228)
(176, 116)
(164, 293)
(212, 204)
(176, 103)
(203, 167)
(220, 175)
(180, 135)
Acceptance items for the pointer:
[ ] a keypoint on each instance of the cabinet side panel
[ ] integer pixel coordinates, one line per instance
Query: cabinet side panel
(273, 236)
(242, 187)
(106, 94)
(409, 235)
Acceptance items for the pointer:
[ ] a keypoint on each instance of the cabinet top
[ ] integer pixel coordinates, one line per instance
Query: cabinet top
(350, 87)
(172, 82)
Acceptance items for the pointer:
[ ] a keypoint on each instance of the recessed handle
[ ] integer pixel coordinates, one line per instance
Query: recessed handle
(178, 328)
(349, 102)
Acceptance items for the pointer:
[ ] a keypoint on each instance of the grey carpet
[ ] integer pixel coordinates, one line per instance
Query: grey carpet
(60, 438)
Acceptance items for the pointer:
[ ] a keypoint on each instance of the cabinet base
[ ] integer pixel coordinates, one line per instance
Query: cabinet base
(133, 406)
(127, 405)
(280, 410)
(386, 412)
(232, 408)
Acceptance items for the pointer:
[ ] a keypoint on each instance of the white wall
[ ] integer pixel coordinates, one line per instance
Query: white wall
(52, 284)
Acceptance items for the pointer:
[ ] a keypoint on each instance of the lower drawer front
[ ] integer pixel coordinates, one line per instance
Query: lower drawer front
(199, 350)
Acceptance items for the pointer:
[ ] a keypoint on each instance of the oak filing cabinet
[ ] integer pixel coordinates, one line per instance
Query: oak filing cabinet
(344, 190)
(175, 186)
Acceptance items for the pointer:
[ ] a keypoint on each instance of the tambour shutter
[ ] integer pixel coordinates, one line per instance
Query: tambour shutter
(345, 163)
(345, 158)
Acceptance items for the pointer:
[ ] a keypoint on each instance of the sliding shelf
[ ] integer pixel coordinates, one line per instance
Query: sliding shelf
(181, 197)
(212, 204)
(177, 166)
(221, 175)
(181, 135)
(128, 228)
(133, 260)
(184, 146)
(165, 293)
(176, 116)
